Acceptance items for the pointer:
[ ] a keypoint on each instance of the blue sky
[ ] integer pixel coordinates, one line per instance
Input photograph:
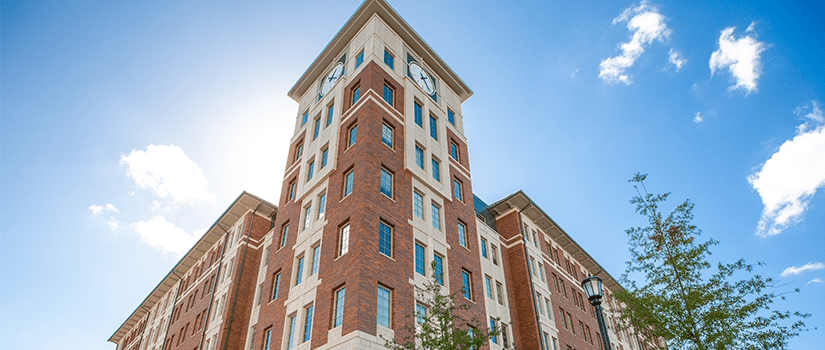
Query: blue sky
(127, 128)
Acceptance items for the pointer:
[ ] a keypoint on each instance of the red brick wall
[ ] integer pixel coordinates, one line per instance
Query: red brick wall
(566, 337)
(520, 297)
(194, 300)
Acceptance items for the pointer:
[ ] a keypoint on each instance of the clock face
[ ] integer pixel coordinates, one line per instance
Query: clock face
(422, 78)
(332, 78)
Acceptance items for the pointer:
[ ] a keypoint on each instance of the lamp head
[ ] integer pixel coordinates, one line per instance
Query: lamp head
(593, 287)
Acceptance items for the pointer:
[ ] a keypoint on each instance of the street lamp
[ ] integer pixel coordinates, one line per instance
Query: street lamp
(593, 287)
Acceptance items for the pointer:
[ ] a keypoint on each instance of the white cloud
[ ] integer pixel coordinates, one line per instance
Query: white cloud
(741, 57)
(647, 25)
(574, 73)
(794, 270)
(812, 112)
(168, 172)
(816, 280)
(791, 176)
(95, 209)
(166, 236)
(698, 118)
(675, 58)
(111, 208)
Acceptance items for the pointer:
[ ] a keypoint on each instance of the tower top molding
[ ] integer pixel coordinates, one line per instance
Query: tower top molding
(383, 10)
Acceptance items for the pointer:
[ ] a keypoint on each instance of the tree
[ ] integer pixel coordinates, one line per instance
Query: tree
(686, 302)
(441, 327)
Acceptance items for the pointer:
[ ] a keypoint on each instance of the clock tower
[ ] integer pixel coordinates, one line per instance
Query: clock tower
(377, 188)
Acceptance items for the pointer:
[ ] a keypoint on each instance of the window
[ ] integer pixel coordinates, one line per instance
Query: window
(462, 234)
(310, 170)
(384, 239)
(484, 248)
(544, 342)
(349, 178)
(453, 150)
(389, 59)
(307, 216)
(436, 210)
(436, 170)
(356, 94)
(419, 157)
(562, 319)
(541, 272)
(316, 259)
(434, 127)
(324, 157)
(418, 205)
(343, 240)
(494, 253)
(537, 300)
(260, 294)
(284, 235)
(420, 314)
(493, 327)
(353, 135)
(438, 269)
(386, 135)
(499, 293)
(420, 259)
(304, 118)
(299, 151)
(532, 266)
(384, 302)
(292, 188)
(276, 285)
(291, 339)
(389, 95)
(450, 116)
(359, 59)
(308, 322)
(267, 340)
(488, 286)
(338, 315)
(459, 194)
(330, 113)
(317, 129)
(547, 306)
(322, 205)
(467, 280)
(504, 337)
(386, 182)
(418, 114)
(299, 271)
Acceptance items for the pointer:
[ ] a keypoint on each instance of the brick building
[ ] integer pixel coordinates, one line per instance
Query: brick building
(376, 190)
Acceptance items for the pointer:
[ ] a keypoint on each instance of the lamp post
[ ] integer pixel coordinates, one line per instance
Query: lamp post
(593, 287)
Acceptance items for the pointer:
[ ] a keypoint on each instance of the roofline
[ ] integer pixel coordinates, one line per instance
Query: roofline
(400, 27)
(609, 281)
(146, 304)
